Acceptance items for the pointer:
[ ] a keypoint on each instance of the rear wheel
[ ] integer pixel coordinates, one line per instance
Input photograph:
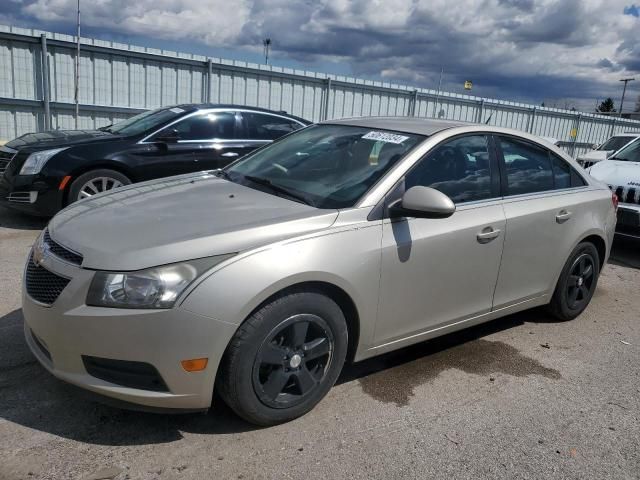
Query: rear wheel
(285, 358)
(577, 282)
(94, 182)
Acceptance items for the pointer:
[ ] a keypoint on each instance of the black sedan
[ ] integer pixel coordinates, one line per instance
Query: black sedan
(40, 173)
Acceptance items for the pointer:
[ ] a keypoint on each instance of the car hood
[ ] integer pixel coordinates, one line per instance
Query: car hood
(59, 138)
(179, 218)
(595, 155)
(617, 173)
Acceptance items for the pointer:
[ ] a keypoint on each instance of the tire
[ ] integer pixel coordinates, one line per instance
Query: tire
(577, 282)
(112, 179)
(265, 377)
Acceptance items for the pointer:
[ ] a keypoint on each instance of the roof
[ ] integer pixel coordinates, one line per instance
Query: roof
(200, 106)
(420, 126)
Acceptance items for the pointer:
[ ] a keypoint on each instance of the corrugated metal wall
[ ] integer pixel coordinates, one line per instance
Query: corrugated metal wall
(119, 80)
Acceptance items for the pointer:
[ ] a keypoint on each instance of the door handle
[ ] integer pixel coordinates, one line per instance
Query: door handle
(487, 234)
(229, 154)
(563, 216)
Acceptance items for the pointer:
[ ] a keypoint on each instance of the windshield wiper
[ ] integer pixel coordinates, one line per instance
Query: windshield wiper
(106, 128)
(277, 188)
(223, 174)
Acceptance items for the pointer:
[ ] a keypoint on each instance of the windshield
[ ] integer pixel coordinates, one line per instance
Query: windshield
(631, 153)
(327, 166)
(145, 121)
(615, 143)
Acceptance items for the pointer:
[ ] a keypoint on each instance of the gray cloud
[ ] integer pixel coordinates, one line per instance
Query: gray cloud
(524, 49)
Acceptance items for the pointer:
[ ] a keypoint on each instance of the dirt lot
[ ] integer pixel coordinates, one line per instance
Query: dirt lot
(521, 397)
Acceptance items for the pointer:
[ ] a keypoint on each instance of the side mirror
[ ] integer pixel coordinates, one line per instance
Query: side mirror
(423, 202)
(170, 135)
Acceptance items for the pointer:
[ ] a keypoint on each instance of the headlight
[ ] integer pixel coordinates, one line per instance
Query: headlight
(36, 161)
(157, 287)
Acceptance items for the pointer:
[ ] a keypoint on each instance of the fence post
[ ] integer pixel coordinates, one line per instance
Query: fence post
(575, 139)
(45, 81)
(209, 75)
(613, 126)
(327, 91)
(480, 111)
(532, 119)
(414, 102)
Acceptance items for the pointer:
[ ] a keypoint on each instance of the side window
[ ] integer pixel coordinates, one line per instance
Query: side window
(262, 126)
(528, 167)
(561, 172)
(207, 126)
(459, 168)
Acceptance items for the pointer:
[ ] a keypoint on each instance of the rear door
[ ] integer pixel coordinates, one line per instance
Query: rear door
(545, 208)
(439, 271)
(214, 138)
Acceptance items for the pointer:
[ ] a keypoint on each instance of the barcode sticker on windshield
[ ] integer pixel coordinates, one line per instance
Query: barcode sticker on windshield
(385, 137)
(176, 110)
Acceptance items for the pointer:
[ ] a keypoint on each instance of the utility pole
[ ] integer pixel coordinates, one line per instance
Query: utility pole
(267, 44)
(624, 90)
(77, 87)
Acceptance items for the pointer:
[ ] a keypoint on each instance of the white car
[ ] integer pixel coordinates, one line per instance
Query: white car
(602, 152)
(621, 172)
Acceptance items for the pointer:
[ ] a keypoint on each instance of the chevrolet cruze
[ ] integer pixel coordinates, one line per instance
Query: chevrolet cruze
(341, 241)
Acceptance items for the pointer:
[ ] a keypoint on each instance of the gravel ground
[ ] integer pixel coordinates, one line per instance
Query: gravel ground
(520, 397)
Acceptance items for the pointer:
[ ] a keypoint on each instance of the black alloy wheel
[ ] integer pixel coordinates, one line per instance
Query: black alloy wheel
(292, 361)
(580, 281)
(284, 358)
(577, 282)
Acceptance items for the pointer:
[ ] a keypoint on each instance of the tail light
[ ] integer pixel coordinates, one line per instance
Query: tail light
(614, 200)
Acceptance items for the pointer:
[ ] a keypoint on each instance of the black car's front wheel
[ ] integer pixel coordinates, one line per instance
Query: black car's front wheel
(285, 358)
(96, 181)
(577, 282)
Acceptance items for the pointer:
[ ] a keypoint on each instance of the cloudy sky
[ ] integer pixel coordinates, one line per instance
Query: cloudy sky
(568, 52)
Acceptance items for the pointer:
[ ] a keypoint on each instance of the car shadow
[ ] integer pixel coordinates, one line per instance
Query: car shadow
(21, 221)
(33, 398)
(625, 252)
(454, 342)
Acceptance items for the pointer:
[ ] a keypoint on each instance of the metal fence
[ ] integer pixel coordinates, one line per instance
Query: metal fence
(118, 80)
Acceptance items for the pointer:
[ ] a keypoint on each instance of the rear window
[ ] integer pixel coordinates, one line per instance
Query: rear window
(528, 167)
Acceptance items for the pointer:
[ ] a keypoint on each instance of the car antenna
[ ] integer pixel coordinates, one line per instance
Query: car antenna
(488, 119)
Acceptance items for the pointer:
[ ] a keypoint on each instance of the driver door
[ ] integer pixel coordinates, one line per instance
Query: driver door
(440, 271)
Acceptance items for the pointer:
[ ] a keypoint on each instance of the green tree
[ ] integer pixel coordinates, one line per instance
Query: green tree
(606, 106)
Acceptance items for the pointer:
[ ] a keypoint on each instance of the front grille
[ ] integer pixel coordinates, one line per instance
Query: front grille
(627, 194)
(5, 159)
(43, 285)
(122, 372)
(60, 251)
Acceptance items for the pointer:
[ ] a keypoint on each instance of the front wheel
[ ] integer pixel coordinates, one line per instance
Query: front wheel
(96, 181)
(577, 282)
(284, 359)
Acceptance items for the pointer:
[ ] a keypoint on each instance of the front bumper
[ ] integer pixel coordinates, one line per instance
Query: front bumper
(64, 334)
(31, 194)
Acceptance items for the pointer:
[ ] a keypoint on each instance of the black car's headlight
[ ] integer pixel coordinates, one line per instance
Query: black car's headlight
(34, 162)
(157, 287)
